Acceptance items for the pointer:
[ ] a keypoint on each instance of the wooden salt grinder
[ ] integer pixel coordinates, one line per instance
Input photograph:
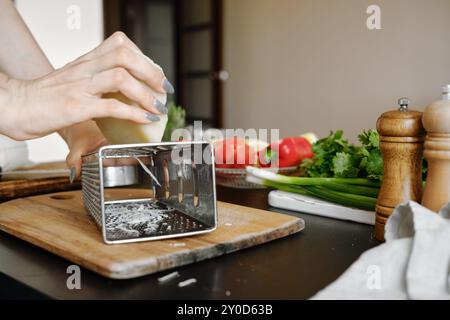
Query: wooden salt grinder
(401, 143)
(436, 120)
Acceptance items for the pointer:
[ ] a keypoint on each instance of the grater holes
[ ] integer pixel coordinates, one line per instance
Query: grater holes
(152, 163)
(180, 183)
(175, 191)
(196, 186)
(146, 219)
(166, 179)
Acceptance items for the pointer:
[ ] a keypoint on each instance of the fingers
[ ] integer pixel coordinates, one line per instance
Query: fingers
(74, 163)
(118, 79)
(84, 139)
(137, 64)
(119, 51)
(116, 40)
(112, 108)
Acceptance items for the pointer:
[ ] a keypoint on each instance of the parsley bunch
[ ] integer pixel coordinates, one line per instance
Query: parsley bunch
(336, 157)
(176, 118)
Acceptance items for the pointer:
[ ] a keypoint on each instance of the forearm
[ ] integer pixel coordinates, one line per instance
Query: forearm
(20, 56)
(34, 101)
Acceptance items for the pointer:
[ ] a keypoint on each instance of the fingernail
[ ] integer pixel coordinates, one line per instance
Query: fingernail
(167, 86)
(152, 117)
(160, 106)
(73, 174)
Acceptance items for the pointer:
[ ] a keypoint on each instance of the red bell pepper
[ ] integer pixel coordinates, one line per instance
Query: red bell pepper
(234, 153)
(288, 152)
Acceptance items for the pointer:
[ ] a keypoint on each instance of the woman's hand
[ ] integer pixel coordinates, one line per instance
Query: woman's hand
(81, 139)
(73, 94)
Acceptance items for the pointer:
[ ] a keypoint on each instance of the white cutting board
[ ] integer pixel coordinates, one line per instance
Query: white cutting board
(305, 204)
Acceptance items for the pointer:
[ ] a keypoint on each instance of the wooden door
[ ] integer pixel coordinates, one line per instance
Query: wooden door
(185, 38)
(200, 73)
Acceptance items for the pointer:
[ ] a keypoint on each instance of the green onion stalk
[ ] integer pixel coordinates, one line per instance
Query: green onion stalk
(352, 192)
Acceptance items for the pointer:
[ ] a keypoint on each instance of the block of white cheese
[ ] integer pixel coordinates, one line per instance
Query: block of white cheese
(118, 131)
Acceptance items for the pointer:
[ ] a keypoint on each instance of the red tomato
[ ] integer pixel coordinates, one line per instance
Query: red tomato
(234, 153)
(288, 152)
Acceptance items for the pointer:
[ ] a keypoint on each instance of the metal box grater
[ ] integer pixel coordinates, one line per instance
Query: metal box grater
(180, 181)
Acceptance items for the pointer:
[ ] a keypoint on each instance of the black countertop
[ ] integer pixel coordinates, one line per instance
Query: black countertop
(295, 267)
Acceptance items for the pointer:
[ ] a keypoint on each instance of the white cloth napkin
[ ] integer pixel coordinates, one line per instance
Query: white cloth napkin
(414, 263)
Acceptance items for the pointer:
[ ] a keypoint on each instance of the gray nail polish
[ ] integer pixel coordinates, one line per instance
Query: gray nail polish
(167, 86)
(152, 117)
(160, 106)
(73, 174)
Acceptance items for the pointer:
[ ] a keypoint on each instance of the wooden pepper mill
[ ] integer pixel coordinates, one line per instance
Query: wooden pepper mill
(401, 143)
(436, 120)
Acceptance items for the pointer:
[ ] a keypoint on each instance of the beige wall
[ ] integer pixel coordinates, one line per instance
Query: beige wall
(312, 65)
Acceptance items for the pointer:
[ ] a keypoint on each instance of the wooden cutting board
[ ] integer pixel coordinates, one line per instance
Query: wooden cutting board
(12, 187)
(59, 223)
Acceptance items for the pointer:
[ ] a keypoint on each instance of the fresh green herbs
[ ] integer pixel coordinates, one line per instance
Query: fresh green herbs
(336, 157)
(176, 118)
(340, 172)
